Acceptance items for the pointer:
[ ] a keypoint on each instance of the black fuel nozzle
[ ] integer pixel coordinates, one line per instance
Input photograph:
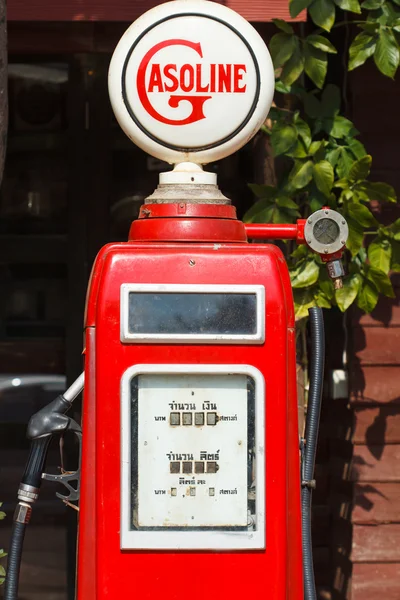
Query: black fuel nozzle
(46, 423)
(43, 425)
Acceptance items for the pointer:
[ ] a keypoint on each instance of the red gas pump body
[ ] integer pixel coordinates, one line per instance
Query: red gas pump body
(104, 570)
(190, 464)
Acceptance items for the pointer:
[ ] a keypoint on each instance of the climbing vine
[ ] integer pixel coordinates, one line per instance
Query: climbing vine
(324, 162)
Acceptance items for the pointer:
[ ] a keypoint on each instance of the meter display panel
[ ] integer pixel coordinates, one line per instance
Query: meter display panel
(196, 313)
(191, 449)
(192, 313)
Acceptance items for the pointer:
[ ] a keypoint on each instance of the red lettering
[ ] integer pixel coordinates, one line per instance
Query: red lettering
(155, 79)
(224, 78)
(197, 102)
(187, 83)
(238, 71)
(199, 87)
(167, 73)
(212, 78)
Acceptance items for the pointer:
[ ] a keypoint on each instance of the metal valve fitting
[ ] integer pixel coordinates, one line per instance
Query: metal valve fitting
(22, 513)
(336, 272)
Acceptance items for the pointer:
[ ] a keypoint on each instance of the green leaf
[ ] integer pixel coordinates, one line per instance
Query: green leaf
(346, 296)
(315, 198)
(301, 174)
(2, 516)
(283, 137)
(367, 296)
(303, 131)
(262, 191)
(394, 228)
(260, 212)
(305, 274)
(386, 55)
(315, 147)
(296, 6)
(277, 114)
(282, 88)
(395, 256)
(303, 300)
(2, 553)
(312, 106)
(345, 162)
(322, 13)
(286, 202)
(282, 46)
(379, 15)
(326, 284)
(339, 127)
(320, 299)
(333, 155)
(350, 5)
(293, 68)
(345, 185)
(380, 254)
(383, 192)
(323, 176)
(315, 65)
(300, 252)
(372, 4)
(360, 169)
(322, 43)
(362, 47)
(331, 100)
(392, 12)
(371, 27)
(361, 214)
(356, 147)
(381, 281)
(283, 25)
(297, 151)
(283, 215)
(356, 237)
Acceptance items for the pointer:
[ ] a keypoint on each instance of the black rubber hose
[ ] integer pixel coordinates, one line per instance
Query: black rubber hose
(14, 561)
(317, 360)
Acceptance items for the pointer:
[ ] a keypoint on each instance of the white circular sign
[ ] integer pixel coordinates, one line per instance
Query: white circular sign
(191, 80)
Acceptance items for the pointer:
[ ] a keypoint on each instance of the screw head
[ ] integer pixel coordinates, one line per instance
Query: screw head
(343, 222)
(327, 212)
(192, 262)
(309, 241)
(310, 220)
(326, 250)
(343, 242)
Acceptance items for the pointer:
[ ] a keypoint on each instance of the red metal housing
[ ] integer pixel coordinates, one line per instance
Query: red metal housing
(106, 572)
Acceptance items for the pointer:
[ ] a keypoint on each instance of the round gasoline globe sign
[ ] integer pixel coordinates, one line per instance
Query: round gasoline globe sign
(191, 80)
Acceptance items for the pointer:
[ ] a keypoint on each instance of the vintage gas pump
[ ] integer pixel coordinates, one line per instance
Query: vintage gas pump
(191, 475)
